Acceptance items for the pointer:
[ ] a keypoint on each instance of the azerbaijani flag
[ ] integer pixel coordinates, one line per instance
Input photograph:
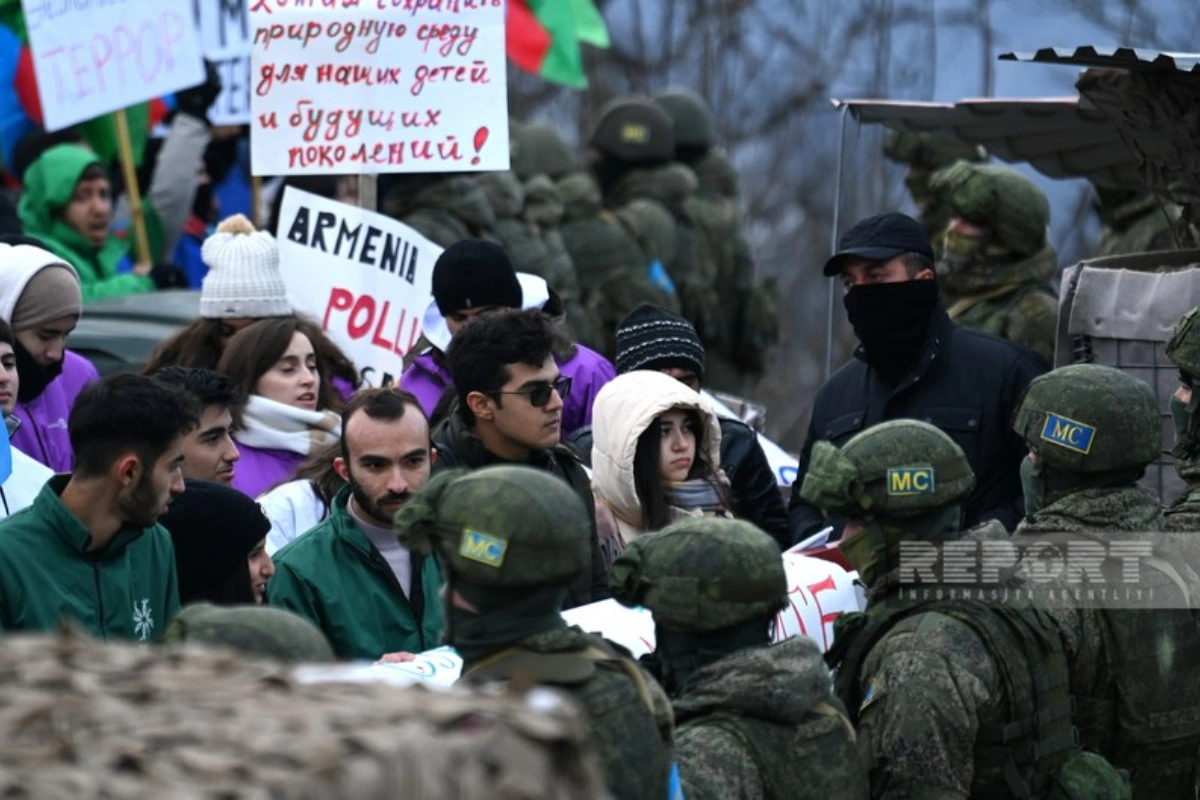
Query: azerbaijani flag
(544, 37)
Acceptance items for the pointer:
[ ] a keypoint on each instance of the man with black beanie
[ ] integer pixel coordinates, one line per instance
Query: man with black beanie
(913, 362)
(653, 338)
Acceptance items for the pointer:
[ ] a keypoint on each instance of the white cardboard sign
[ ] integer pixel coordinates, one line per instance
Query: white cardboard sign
(225, 36)
(363, 276)
(818, 592)
(341, 86)
(93, 57)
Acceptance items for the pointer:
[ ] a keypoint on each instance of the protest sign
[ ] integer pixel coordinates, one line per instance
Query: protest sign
(96, 56)
(818, 591)
(363, 276)
(225, 37)
(389, 86)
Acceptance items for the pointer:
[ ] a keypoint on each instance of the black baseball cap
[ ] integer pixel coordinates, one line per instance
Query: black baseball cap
(880, 238)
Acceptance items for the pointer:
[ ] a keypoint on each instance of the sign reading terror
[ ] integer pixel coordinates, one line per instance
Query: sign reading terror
(96, 56)
(365, 277)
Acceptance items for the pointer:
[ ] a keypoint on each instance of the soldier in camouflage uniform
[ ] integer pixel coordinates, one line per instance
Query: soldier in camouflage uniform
(258, 631)
(615, 273)
(1184, 351)
(631, 151)
(751, 320)
(754, 721)
(932, 674)
(925, 154)
(1092, 431)
(511, 540)
(996, 265)
(444, 208)
(1134, 223)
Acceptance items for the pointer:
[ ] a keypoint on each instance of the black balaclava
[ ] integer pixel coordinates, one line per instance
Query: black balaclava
(34, 377)
(891, 321)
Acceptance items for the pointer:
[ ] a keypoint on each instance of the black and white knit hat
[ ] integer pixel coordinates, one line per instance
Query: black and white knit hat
(654, 338)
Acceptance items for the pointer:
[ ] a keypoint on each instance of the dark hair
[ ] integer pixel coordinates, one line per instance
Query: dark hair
(329, 355)
(915, 262)
(198, 345)
(317, 469)
(209, 387)
(386, 404)
(647, 473)
(122, 413)
(6, 334)
(92, 172)
(479, 355)
(259, 346)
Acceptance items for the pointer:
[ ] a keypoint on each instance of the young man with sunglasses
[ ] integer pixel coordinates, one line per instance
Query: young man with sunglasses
(508, 410)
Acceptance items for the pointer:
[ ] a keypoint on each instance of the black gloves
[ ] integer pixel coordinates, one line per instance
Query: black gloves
(197, 100)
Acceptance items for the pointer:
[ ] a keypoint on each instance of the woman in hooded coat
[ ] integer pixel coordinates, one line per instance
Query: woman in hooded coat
(41, 299)
(655, 458)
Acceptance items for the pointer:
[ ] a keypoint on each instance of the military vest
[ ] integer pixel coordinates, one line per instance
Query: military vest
(1018, 753)
(626, 723)
(1146, 718)
(825, 736)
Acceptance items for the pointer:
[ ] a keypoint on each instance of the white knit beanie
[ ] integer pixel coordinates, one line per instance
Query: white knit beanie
(243, 280)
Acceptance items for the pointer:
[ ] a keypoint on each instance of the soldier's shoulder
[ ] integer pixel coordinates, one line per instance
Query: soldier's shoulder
(927, 637)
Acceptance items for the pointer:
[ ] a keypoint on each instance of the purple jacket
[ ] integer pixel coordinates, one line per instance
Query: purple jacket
(260, 469)
(43, 432)
(588, 371)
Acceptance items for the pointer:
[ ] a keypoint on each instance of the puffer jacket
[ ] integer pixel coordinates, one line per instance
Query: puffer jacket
(624, 409)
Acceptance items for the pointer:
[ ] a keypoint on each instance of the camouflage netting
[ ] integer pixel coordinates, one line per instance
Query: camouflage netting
(81, 720)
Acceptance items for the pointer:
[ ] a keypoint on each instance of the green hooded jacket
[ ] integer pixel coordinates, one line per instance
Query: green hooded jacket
(49, 185)
(126, 591)
(333, 577)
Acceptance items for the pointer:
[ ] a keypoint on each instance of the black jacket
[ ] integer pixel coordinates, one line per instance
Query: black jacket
(966, 383)
(756, 495)
(458, 446)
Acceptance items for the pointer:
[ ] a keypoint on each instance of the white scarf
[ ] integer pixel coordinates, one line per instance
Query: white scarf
(271, 425)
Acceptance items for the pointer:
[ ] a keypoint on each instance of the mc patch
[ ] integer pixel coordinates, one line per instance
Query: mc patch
(634, 133)
(918, 479)
(482, 548)
(1068, 433)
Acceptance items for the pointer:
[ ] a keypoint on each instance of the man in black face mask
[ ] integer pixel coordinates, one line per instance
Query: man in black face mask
(913, 362)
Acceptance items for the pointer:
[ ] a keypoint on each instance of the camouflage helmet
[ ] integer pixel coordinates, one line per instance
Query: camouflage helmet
(999, 198)
(1090, 418)
(691, 117)
(509, 526)
(897, 469)
(540, 150)
(634, 130)
(702, 574)
(926, 151)
(1183, 348)
(258, 631)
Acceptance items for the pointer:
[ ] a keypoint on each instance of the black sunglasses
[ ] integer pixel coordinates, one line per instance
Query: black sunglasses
(539, 395)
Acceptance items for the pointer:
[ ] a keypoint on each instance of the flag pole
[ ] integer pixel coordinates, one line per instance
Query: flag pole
(125, 147)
